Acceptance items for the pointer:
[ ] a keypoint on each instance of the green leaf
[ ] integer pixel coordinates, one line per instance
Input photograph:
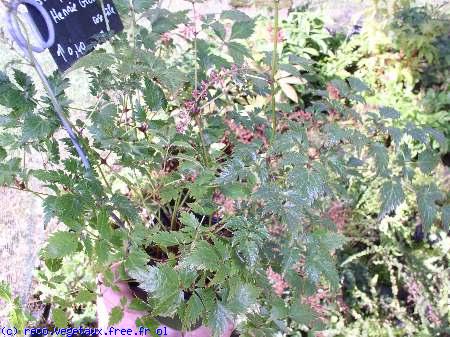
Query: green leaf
(137, 258)
(12, 97)
(302, 313)
(203, 256)
(391, 196)
(59, 318)
(357, 85)
(5, 291)
(235, 191)
(61, 244)
(234, 15)
(161, 281)
(103, 226)
(426, 201)
(319, 263)
(102, 251)
(219, 29)
(3, 153)
(381, 157)
(85, 296)
(142, 5)
(138, 305)
(388, 112)
(53, 264)
(309, 185)
(125, 207)
(168, 239)
(9, 170)
(238, 52)
(278, 308)
(242, 296)
(218, 319)
(439, 137)
(329, 240)
(428, 161)
(446, 217)
(242, 30)
(115, 316)
(163, 20)
(149, 279)
(189, 220)
(95, 59)
(154, 96)
(193, 311)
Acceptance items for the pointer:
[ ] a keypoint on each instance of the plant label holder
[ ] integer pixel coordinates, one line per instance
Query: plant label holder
(71, 29)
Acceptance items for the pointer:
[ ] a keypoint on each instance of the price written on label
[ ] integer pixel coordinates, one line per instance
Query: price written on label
(78, 25)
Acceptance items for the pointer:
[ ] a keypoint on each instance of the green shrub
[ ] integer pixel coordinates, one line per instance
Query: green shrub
(210, 187)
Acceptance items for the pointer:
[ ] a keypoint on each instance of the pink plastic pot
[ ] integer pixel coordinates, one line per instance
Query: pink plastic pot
(108, 299)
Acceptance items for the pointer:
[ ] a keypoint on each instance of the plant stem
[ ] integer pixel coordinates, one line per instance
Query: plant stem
(274, 66)
(195, 46)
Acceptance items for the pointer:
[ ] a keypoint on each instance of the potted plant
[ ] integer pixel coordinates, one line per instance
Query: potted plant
(209, 195)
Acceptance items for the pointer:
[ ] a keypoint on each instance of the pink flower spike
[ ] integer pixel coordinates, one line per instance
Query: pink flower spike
(277, 281)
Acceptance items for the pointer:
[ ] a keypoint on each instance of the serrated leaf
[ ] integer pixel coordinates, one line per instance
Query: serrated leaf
(235, 191)
(161, 281)
(388, 112)
(193, 311)
(189, 219)
(12, 97)
(309, 185)
(142, 5)
(53, 264)
(439, 137)
(329, 240)
(59, 318)
(137, 258)
(203, 256)
(149, 279)
(102, 251)
(219, 29)
(357, 85)
(5, 291)
(125, 207)
(138, 305)
(319, 263)
(154, 96)
(168, 239)
(417, 133)
(305, 63)
(115, 316)
(84, 296)
(428, 161)
(95, 59)
(2, 153)
(61, 244)
(242, 296)
(219, 319)
(381, 157)
(242, 30)
(234, 15)
(391, 196)
(238, 52)
(9, 170)
(302, 313)
(426, 198)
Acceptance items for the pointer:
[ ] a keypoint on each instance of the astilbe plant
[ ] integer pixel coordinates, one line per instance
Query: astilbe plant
(220, 203)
